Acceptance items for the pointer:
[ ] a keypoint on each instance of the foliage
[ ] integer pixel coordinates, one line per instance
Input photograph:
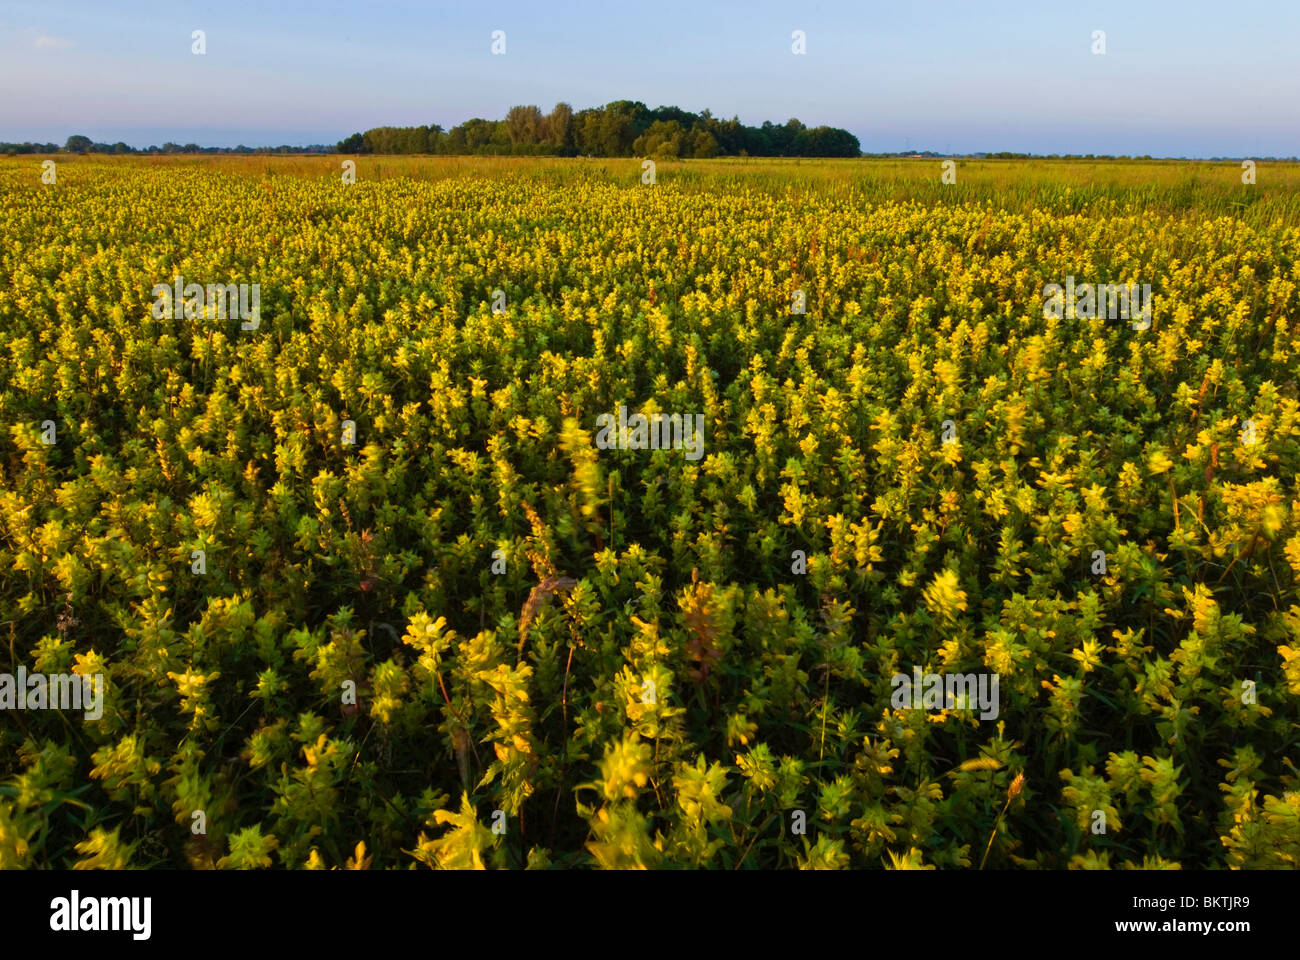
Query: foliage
(623, 128)
(644, 681)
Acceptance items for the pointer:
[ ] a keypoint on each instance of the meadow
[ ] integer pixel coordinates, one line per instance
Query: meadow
(364, 591)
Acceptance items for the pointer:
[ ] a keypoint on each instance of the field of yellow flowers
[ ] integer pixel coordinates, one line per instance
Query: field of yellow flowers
(363, 590)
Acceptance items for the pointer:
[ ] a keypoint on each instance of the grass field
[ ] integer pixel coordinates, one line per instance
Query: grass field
(367, 587)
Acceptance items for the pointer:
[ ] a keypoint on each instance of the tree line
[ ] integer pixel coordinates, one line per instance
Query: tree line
(624, 128)
(80, 144)
(526, 130)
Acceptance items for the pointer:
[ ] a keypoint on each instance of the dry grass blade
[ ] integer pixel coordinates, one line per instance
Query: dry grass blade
(536, 597)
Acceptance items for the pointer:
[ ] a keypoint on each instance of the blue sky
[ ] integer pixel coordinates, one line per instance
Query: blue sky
(1184, 78)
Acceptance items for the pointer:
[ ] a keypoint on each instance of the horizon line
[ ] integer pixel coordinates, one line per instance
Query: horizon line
(324, 149)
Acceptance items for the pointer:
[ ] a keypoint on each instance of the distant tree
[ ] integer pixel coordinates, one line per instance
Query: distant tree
(478, 134)
(586, 131)
(413, 140)
(78, 144)
(684, 118)
(453, 141)
(705, 146)
(500, 142)
(832, 142)
(621, 122)
(730, 135)
(353, 144)
(523, 124)
(664, 138)
(555, 128)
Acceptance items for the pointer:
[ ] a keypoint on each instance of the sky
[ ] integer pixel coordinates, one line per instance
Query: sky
(1178, 78)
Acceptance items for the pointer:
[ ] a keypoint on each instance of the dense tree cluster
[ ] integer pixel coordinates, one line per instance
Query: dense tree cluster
(623, 128)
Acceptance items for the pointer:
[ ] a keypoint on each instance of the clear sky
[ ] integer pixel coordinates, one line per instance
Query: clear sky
(1178, 78)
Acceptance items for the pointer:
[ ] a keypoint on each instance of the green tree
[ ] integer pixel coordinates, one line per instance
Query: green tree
(556, 127)
(704, 144)
(523, 125)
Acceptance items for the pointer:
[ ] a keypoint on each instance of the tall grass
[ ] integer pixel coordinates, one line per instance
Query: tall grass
(1160, 187)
